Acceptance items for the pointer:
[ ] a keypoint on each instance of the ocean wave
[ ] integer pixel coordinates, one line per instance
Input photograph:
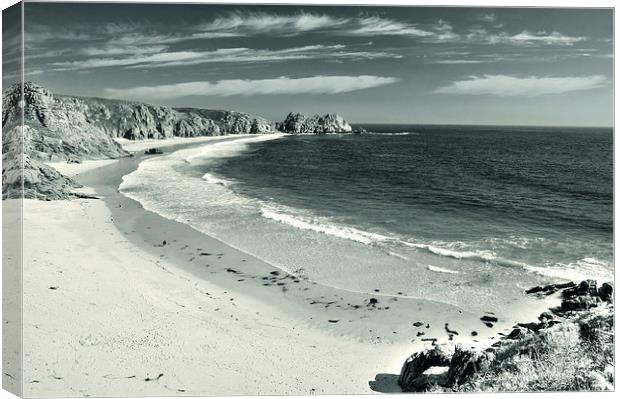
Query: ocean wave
(212, 179)
(325, 226)
(438, 269)
(585, 268)
(146, 183)
(314, 224)
(225, 149)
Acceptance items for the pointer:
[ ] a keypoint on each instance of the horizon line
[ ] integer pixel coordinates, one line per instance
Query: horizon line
(481, 124)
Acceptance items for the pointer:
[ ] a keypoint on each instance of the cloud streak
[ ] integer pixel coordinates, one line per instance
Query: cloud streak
(225, 55)
(261, 23)
(506, 86)
(523, 38)
(244, 87)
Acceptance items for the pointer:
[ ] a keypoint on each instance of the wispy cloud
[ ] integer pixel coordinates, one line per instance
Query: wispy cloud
(524, 38)
(262, 23)
(253, 23)
(376, 26)
(226, 55)
(505, 85)
(243, 87)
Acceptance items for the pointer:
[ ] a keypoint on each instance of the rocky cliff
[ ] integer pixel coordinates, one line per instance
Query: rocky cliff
(317, 124)
(58, 127)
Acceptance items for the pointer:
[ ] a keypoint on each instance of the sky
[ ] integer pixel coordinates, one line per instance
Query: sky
(442, 65)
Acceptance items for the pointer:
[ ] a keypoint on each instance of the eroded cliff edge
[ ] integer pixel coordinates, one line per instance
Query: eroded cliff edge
(58, 127)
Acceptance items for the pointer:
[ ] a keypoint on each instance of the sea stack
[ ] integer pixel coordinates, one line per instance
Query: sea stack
(318, 124)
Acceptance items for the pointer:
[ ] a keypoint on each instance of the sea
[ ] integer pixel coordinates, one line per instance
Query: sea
(435, 211)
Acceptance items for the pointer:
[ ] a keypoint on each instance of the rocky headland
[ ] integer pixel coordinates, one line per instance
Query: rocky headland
(70, 128)
(570, 348)
(59, 127)
(297, 123)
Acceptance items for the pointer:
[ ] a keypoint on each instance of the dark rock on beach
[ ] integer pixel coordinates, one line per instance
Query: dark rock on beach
(549, 289)
(489, 319)
(465, 363)
(586, 308)
(518, 333)
(412, 377)
(606, 292)
(153, 151)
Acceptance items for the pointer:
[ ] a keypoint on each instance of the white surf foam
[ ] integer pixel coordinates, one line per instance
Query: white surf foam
(315, 224)
(585, 268)
(226, 149)
(146, 183)
(213, 179)
(441, 270)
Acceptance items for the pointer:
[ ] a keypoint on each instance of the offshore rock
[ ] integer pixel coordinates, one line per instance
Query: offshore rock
(329, 123)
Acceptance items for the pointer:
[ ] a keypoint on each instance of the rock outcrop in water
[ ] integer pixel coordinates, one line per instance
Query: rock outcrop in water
(58, 127)
(317, 124)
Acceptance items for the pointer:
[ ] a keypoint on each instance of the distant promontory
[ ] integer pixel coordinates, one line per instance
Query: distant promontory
(318, 124)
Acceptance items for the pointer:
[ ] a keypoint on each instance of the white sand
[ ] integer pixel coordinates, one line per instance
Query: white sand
(101, 316)
(73, 169)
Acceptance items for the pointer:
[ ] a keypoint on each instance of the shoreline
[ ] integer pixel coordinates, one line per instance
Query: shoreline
(383, 331)
(387, 322)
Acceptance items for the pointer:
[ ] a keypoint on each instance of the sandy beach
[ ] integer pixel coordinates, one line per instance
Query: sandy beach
(125, 302)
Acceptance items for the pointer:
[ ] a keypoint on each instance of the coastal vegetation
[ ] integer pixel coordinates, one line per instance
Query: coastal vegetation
(571, 348)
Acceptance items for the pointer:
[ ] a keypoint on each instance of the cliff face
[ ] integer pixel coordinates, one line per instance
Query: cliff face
(57, 127)
(54, 129)
(328, 123)
(231, 122)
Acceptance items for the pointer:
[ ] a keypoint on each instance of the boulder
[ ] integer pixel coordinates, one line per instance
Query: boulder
(535, 327)
(606, 292)
(579, 303)
(518, 333)
(411, 375)
(546, 316)
(565, 285)
(586, 287)
(549, 289)
(534, 290)
(467, 362)
(434, 376)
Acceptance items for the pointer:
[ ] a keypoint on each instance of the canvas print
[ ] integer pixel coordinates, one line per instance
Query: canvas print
(230, 199)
